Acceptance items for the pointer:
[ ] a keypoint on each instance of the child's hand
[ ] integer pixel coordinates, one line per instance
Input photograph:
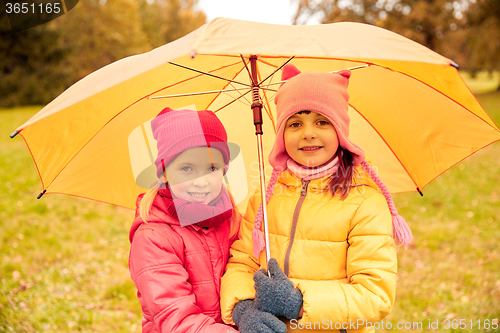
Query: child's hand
(250, 320)
(276, 294)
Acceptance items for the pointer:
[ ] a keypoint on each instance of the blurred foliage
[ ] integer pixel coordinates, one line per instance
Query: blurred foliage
(167, 20)
(30, 66)
(424, 21)
(484, 32)
(466, 31)
(38, 64)
(98, 34)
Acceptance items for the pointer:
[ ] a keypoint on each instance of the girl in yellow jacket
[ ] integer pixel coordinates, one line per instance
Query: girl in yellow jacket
(332, 224)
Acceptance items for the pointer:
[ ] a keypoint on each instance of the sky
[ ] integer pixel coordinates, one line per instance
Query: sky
(265, 11)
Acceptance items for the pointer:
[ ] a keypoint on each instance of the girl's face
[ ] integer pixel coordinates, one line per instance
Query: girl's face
(196, 174)
(310, 138)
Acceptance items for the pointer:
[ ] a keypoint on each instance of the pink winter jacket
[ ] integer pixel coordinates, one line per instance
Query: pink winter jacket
(177, 271)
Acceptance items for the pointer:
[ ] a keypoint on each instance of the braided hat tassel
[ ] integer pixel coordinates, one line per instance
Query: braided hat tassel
(401, 230)
(258, 237)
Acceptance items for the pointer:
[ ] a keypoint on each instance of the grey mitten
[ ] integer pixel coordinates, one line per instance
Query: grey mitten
(250, 320)
(276, 294)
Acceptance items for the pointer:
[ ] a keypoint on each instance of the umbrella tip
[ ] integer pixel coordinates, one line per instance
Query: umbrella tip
(421, 194)
(193, 54)
(454, 64)
(14, 134)
(41, 193)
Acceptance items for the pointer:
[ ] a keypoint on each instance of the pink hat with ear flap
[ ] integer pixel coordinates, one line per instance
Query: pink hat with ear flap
(324, 93)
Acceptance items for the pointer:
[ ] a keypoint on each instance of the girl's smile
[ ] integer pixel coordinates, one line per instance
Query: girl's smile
(198, 197)
(310, 138)
(310, 149)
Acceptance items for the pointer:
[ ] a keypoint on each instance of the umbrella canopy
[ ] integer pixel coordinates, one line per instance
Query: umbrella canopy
(410, 110)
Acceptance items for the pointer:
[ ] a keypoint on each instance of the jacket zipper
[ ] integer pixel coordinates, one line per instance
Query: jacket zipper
(295, 220)
(207, 249)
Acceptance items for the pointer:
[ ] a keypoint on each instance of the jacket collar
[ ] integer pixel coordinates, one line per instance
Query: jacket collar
(288, 179)
(157, 215)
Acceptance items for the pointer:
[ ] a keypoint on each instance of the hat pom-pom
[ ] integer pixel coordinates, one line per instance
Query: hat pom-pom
(401, 230)
(258, 242)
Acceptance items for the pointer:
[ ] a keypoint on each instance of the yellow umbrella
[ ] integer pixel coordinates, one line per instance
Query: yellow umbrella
(410, 110)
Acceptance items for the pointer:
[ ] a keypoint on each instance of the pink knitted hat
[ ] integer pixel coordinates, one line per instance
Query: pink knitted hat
(175, 131)
(324, 93)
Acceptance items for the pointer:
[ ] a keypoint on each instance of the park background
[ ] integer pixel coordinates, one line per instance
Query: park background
(63, 260)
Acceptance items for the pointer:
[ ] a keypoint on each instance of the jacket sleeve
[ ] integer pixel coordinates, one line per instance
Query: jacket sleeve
(166, 296)
(235, 226)
(370, 291)
(237, 283)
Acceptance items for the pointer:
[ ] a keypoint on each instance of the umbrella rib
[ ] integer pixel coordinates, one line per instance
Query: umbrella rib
(388, 146)
(267, 107)
(277, 69)
(183, 81)
(333, 72)
(235, 75)
(238, 90)
(234, 100)
(248, 70)
(199, 93)
(209, 74)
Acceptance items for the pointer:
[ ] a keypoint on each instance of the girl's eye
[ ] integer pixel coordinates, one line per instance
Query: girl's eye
(213, 168)
(294, 125)
(323, 122)
(186, 169)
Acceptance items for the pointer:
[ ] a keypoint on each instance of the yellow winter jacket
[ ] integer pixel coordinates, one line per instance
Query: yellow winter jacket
(341, 254)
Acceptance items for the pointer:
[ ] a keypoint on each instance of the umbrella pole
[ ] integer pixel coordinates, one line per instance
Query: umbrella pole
(257, 120)
(263, 196)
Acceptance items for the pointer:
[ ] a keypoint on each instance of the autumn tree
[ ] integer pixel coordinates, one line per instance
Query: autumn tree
(166, 20)
(428, 22)
(100, 32)
(31, 70)
(39, 63)
(483, 24)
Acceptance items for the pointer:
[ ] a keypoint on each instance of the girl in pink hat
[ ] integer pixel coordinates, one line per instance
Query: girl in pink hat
(184, 226)
(332, 222)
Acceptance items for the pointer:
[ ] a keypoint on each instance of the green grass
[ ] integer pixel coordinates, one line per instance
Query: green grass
(63, 260)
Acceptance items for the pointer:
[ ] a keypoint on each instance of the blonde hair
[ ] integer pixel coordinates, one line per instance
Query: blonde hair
(147, 201)
(149, 196)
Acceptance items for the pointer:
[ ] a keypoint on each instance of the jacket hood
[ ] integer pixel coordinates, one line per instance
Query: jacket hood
(157, 214)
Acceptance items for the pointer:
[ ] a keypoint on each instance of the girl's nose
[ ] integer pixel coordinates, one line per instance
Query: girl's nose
(308, 132)
(200, 181)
